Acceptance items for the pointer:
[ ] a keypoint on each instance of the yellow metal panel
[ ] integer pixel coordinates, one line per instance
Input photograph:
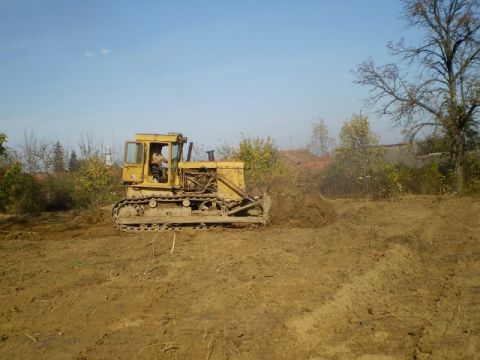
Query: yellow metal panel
(233, 175)
(133, 191)
(197, 164)
(211, 164)
(230, 164)
(132, 173)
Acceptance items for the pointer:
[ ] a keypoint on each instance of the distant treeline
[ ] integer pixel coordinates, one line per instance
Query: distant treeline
(39, 176)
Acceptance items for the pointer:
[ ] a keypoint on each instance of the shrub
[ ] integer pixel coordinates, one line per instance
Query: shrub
(337, 180)
(386, 182)
(261, 158)
(95, 183)
(358, 161)
(472, 173)
(434, 179)
(59, 191)
(21, 193)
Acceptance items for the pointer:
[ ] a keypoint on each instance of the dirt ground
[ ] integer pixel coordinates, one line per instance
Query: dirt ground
(382, 280)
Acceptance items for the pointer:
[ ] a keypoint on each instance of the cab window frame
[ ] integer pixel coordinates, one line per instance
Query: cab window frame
(130, 155)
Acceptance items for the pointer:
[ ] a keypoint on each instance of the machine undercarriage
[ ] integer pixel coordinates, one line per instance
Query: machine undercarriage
(201, 211)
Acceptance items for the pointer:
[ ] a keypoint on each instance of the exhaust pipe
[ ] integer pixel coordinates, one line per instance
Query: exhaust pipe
(189, 154)
(211, 155)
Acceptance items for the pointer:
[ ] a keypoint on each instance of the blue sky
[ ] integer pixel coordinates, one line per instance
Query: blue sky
(209, 69)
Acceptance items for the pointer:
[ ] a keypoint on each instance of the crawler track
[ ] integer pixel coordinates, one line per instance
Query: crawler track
(220, 217)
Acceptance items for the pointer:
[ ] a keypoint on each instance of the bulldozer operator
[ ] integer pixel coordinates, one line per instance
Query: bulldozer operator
(157, 160)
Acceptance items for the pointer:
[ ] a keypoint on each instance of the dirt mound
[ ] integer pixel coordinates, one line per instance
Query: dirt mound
(294, 206)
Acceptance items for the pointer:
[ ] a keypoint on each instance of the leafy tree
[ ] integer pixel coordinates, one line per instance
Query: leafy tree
(320, 141)
(435, 84)
(358, 153)
(96, 182)
(58, 158)
(261, 157)
(432, 144)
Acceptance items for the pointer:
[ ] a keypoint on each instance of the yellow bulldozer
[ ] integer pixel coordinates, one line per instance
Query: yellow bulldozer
(164, 191)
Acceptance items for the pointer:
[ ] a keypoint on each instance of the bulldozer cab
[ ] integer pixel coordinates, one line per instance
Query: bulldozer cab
(152, 160)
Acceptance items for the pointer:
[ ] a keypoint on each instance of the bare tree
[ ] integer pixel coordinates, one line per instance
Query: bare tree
(199, 152)
(438, 85)
(226, 151)
(90, 146)
(320, 141)
(36, 156)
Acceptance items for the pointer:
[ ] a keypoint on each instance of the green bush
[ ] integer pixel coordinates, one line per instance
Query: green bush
(338, 181)
(358, 168)
(21, 193)
(434, 179)
(383, 182)
(261, 158)
(472, 174)
(95, 183)
(386, 182)
(59, 190)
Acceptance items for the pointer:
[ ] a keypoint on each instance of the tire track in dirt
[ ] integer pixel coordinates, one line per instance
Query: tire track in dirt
(326, 321)
(452, 238)
(419, 300)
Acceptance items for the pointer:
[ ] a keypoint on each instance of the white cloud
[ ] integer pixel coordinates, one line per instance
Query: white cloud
(104, 51)
(89, 54)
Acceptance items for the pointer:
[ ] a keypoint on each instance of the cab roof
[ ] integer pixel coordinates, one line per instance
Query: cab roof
(170, 137)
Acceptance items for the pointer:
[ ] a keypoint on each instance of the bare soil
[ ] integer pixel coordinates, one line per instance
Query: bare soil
(372, 280)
